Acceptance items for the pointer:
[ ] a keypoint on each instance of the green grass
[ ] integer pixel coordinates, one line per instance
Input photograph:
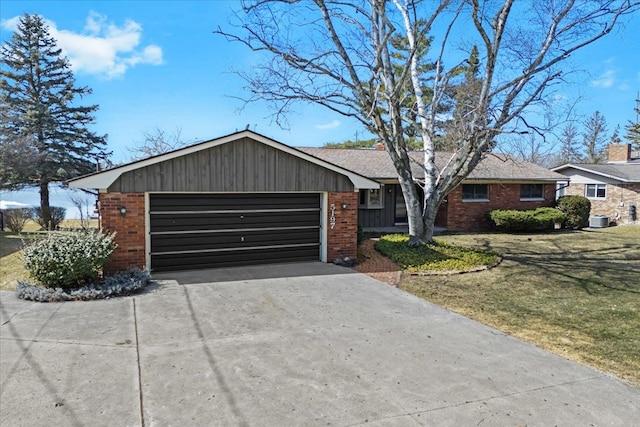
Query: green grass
(438, 256)
(11, 245)
(574, 293)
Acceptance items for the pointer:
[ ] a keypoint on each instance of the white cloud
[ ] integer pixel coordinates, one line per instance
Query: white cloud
(327, 126)
(605, 80)
(102, 48)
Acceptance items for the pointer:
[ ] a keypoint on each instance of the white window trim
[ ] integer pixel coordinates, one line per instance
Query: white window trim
(596, 192)
(368, 204)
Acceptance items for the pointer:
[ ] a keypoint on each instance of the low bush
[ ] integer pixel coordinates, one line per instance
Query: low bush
(434, 257)
(577, 210)
(57, 216)
(67, 260)
(16, 219)
(526, 220)
(125, 283)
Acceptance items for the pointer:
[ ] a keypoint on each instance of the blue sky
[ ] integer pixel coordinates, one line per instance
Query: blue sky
(156, 64)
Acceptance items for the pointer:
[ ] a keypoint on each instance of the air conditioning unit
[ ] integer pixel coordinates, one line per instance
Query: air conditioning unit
(599, 221)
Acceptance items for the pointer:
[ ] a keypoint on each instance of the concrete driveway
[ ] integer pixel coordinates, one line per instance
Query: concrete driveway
(299, 344)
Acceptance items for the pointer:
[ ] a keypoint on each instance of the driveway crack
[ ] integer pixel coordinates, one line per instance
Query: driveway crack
(140, 394)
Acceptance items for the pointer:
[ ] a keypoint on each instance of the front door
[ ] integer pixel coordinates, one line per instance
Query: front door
(400, 217)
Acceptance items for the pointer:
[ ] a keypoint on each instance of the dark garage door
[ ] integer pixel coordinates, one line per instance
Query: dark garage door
(192, 231)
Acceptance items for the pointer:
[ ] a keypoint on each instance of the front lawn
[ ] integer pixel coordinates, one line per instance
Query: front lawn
(574, 293)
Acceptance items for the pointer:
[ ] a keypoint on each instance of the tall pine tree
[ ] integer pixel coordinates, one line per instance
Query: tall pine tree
(594, 138)
(633, 129)
(41, 116)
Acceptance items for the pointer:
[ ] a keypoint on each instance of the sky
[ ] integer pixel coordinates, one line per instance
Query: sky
(158, 65)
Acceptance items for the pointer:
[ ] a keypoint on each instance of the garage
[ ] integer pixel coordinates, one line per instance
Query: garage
(194, 231)
(241, 199)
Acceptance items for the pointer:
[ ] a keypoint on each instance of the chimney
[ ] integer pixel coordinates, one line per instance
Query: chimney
(619, 153)
(379, 146)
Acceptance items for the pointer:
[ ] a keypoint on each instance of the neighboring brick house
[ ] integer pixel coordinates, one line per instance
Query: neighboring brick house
(613, 187)
(498, 182)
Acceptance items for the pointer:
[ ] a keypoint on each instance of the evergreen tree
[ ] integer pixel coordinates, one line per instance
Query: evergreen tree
(569, 139)
(633, 129)
(40, 114)
(594, 138)
(615, 137)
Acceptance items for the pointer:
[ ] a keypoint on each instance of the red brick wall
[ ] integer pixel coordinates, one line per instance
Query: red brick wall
(129, 229)
(472, 216)
(342, 240)
(625, 194)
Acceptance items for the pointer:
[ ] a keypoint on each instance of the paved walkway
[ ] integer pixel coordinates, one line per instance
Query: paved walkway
(374, 264)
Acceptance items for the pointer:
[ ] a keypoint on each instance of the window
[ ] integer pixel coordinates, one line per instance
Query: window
(372, 199)
(532, 192)
(475, 192)
(595, 191)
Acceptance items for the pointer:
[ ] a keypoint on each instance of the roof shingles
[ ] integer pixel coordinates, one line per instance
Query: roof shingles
(376, 164)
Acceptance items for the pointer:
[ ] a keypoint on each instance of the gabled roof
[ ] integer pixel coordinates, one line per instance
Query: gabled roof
(103, 179)
(624, 172)
(377, 164)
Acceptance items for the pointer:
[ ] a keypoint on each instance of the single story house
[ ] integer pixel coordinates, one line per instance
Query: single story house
(246, 199)
(498, 182)
(236, 200)
(613, 187)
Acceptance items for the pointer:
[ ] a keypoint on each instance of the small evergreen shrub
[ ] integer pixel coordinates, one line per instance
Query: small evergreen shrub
(57, 216)
(125, 283)
(16, 219)
(66, 260)
(577, 210)
(526, 220)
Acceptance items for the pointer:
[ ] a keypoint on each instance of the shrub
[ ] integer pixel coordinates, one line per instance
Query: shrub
(121, 284)
(526, 220)
(68, 260)
(57, 216)
(577, 209)
(16, 219)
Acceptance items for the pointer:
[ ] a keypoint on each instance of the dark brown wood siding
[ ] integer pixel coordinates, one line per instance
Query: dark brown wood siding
(244, 165)
(380, 217)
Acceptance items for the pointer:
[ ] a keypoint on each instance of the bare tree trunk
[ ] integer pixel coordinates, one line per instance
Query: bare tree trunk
(44, 205)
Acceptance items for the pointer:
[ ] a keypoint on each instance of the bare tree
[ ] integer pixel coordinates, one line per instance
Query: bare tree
(532, 148)
(341, 55)
(157, 142)
(83, 203)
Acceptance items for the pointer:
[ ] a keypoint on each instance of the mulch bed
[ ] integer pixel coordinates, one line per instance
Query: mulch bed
(374, 264)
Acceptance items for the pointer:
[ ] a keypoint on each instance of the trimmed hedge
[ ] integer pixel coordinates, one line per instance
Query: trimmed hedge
(125, 283)
(67, 260)
(526, 220)
(577, 210)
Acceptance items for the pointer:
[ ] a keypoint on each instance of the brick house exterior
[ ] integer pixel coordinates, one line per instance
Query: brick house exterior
(246, 167)
(613, 188)
(463, 215)
(503, 176)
